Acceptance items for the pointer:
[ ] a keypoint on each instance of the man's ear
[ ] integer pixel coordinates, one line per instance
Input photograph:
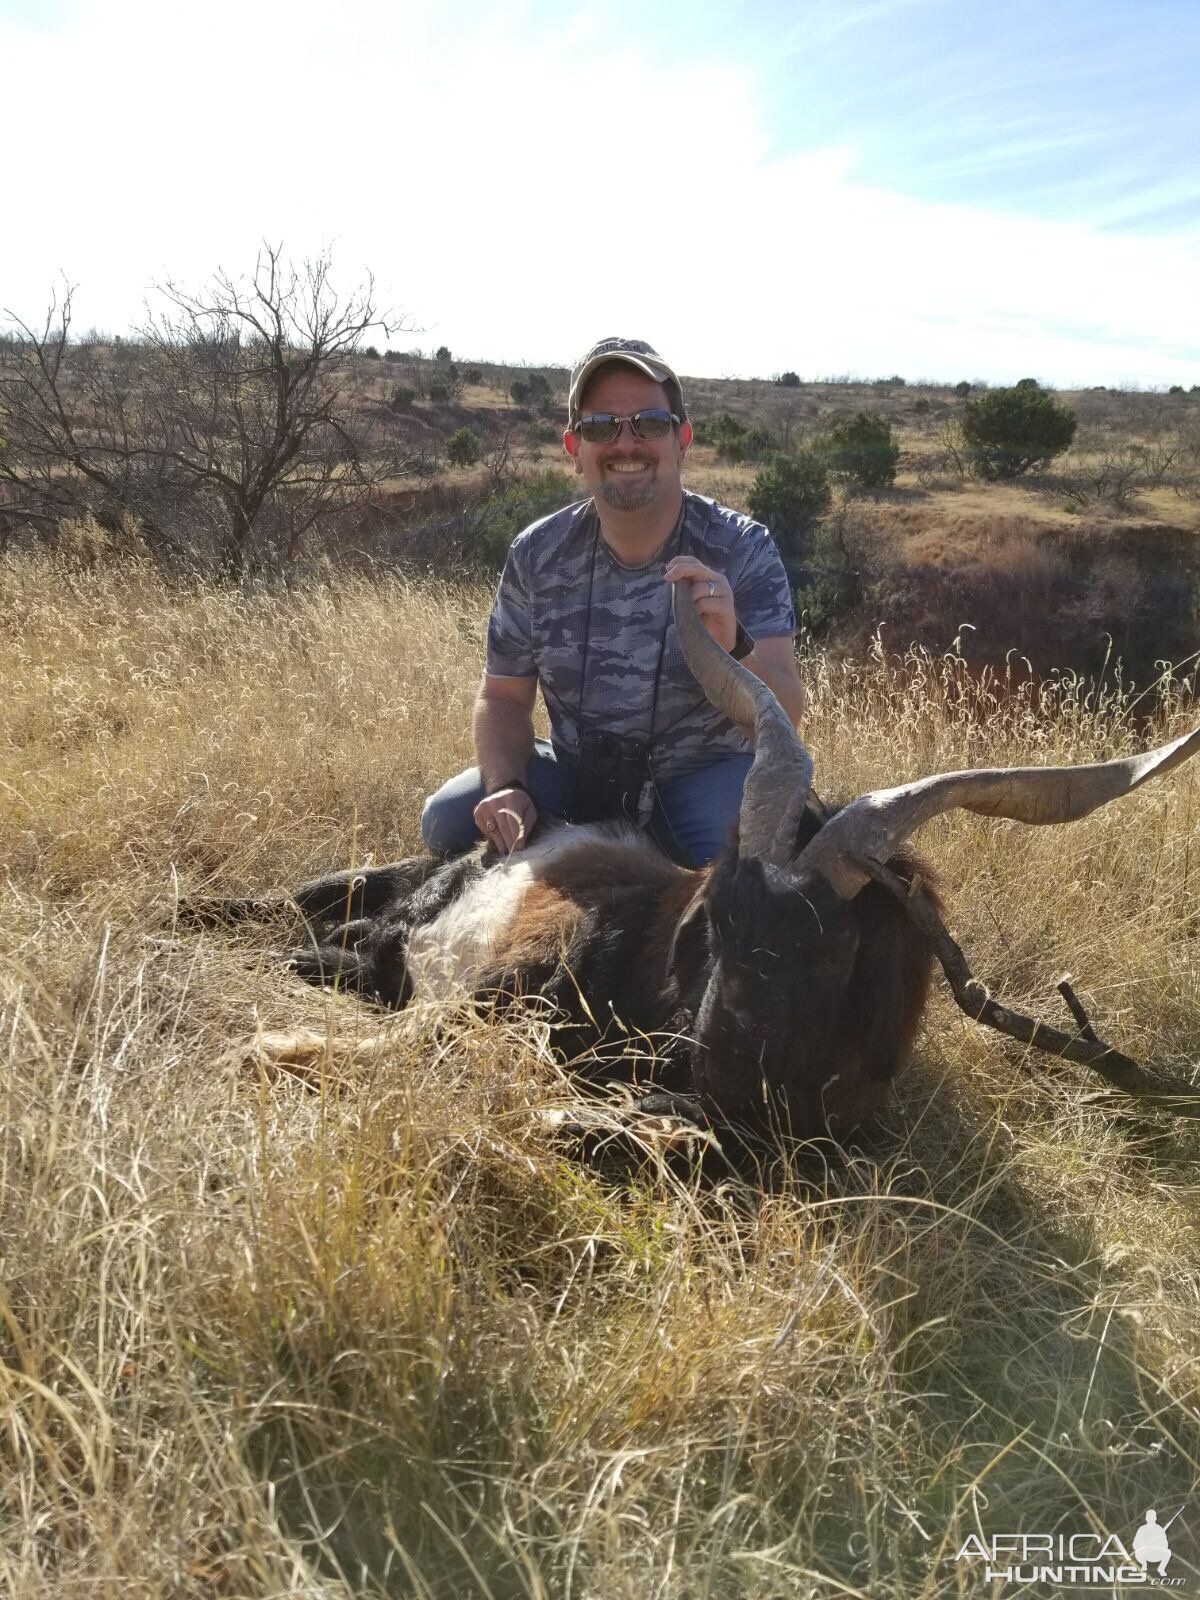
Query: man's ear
(571, 446)
(685, 437)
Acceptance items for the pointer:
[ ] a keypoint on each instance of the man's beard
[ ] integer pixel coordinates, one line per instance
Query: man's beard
(623, 497)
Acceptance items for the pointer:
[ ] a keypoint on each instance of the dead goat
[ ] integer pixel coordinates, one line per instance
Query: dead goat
(781, 985)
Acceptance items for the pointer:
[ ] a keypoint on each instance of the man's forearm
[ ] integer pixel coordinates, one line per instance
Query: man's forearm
(503, 733)
(784, 682)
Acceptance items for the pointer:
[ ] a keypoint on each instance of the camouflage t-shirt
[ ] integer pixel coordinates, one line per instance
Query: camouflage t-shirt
(540, 621)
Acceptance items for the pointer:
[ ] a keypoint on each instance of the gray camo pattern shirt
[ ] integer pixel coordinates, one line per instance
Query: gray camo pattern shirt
(539, 622)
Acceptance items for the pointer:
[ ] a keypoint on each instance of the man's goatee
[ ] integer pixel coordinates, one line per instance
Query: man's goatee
(631, 499)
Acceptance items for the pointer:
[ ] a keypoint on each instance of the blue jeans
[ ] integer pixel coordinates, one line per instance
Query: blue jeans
(692, 820)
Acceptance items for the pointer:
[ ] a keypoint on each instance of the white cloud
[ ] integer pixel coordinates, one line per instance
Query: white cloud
(521, 192)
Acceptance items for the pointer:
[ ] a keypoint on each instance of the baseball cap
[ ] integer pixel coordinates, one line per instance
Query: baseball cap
(636, 353)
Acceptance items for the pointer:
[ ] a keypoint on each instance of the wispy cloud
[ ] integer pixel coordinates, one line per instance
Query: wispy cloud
(1028, 106)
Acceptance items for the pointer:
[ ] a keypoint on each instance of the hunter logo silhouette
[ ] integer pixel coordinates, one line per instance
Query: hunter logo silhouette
(1151, 1548)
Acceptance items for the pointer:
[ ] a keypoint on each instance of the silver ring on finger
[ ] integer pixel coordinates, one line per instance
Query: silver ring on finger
(490, 826)
(712, 587)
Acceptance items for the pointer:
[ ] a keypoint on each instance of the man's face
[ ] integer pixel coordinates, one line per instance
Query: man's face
(630, 474)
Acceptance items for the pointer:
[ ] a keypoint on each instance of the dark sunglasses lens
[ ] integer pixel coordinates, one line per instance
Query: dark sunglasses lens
(652, 424)
(599, 429)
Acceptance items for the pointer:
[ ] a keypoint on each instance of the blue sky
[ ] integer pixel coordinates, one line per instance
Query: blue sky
(1064, 111)
(941, 188)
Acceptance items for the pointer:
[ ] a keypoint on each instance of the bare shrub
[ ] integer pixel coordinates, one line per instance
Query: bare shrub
(239, 400)
(1187, 480)
(1115, 476)
(513, 454)
(947, 464)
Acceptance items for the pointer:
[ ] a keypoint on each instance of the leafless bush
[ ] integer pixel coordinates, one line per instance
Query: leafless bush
(1161, 460)
(1116, 476)
(947, 460)
(236, 402)
(510, 457)
(1187, 477)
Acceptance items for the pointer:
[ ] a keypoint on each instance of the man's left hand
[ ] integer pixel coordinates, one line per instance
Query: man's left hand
(712, 594)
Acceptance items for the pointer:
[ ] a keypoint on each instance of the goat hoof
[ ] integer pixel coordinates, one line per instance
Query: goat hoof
(659, 1122)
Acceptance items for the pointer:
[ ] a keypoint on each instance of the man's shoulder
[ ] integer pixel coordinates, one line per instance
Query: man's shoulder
(743, 549)
(550, 536)
(717, 527)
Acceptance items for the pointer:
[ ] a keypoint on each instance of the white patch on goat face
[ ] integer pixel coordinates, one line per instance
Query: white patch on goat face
(447, 955)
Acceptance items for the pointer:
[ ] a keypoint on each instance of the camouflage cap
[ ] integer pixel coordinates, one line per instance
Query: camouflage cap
(636, 353)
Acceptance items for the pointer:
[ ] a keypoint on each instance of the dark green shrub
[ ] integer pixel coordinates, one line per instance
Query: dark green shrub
(1027, 383)
(370, 353)
(402, 398)
(789, 380)
(861, 448)
(821, 599)
(733, 440)
(442, 353)
(727, 434)
(538, 392)
(541, 433)
(463, 448)
(498, 520)
(393, 355)
(1176, 388)
(790, 495)
(519, 391)
(962, 390)
(439, 393)
(1011, 431)
(921, 406)
(827, 584)
(472, 375)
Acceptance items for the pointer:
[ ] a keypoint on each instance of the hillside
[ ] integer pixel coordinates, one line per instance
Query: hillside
(1090, 566)
(1095, 560)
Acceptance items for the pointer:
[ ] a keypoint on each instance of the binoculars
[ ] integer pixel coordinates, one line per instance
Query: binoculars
(612, 778)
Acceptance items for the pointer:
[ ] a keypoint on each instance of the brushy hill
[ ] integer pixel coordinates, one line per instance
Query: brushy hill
(1091, 561)
(362, 1327)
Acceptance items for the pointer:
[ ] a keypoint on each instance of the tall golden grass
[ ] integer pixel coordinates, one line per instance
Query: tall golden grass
(363, 1327)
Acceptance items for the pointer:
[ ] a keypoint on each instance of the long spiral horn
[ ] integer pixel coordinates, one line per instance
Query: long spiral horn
(875, 825)
(778, 783)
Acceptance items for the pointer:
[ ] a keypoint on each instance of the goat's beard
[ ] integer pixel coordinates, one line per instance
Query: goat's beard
(622, 497)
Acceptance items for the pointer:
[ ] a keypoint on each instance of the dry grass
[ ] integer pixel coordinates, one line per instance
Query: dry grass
(362, 1328)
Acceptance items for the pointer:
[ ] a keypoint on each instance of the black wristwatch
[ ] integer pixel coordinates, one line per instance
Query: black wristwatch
(742, 645)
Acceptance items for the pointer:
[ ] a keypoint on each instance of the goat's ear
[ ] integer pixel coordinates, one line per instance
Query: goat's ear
(691, 945)
(812, 819)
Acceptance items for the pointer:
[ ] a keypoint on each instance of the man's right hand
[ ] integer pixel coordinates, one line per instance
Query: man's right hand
(506, 819)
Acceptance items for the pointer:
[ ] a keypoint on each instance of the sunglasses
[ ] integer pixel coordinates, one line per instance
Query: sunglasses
(603, 427)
